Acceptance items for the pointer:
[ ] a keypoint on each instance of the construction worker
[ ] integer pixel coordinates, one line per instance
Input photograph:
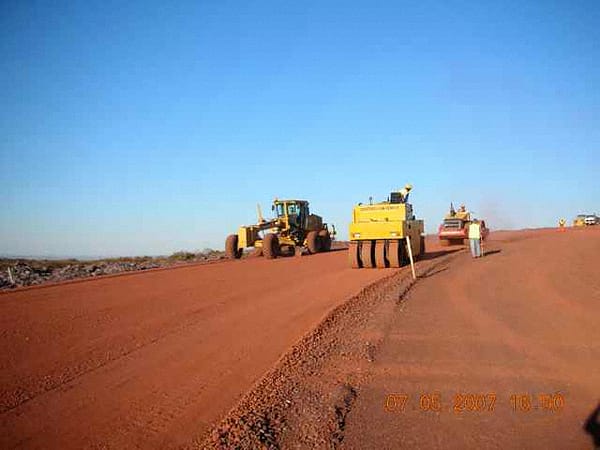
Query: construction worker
(475, 238)
(561, 224)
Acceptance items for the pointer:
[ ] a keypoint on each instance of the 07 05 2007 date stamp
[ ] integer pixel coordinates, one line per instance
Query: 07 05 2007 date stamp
(466, 402)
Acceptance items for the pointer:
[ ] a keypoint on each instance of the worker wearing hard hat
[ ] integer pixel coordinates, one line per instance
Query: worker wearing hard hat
(561, 224)
(475, 238)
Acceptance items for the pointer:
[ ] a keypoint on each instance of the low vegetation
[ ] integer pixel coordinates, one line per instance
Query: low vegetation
(17, 272)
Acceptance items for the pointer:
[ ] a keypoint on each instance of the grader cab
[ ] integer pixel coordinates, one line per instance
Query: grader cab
(292, 229)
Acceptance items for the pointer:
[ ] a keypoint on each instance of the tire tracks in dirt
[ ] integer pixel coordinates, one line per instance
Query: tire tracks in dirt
(292, 404)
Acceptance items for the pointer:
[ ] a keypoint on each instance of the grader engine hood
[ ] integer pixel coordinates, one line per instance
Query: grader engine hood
(314, 222)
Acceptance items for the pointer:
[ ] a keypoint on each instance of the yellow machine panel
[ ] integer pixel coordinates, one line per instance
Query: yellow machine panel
(379, 232)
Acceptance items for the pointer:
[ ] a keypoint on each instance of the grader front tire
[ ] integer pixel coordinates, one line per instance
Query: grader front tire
(231, 247)
(270, 246)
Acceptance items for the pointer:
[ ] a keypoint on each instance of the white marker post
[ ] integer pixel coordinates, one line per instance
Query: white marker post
(410, 257)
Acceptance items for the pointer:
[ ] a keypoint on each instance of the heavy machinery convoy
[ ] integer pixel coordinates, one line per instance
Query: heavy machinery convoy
(586, 220)
(381, 234)
(292, 229)
(454, 230)
(384, 234)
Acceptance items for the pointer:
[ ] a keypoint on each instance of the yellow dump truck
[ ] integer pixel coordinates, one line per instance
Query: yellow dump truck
(379, 232)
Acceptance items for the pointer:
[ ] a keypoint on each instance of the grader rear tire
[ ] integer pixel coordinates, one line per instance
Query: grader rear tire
(395, 253)
(325, 240)
(367, 254)
(231, 247)
(270, 246)
(313, 242)
(354, 256)
(380, 254)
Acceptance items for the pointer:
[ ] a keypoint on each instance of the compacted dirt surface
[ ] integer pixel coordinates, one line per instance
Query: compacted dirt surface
(498, 352)
(153, 359)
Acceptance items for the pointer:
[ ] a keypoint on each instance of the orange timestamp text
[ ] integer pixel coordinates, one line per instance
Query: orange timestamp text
(465, 402)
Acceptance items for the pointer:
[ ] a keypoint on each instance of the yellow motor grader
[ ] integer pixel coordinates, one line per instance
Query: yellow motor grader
(292, 229)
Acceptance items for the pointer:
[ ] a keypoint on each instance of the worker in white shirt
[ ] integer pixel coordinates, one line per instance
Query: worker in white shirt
(475, 238)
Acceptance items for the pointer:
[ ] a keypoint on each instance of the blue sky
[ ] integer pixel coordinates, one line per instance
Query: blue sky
(149, 127)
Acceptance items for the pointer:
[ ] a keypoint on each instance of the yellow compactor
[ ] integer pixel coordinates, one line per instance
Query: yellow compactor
(379, 232)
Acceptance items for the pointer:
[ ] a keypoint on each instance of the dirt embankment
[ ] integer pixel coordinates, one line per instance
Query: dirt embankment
(399, 368)
(157, 359)
(19, 272)
(153, 359)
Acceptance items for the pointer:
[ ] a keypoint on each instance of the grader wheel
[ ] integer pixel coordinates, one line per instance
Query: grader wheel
(380, 254)
(353, 255)
(325, 240)
(270, 246)
(367, 254)
(231, 247)
(313, 242)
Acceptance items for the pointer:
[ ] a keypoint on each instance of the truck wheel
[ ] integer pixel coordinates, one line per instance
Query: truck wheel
(325, 240)
(271, 246)
(313, 242)
(367, 254)
(231, 247)
(380, 256)
(353, 255)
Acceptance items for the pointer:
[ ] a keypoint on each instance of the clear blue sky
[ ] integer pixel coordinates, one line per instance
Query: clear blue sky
(150, 127)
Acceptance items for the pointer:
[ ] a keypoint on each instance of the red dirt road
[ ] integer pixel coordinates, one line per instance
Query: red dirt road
(523, 320)
(154, 359)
